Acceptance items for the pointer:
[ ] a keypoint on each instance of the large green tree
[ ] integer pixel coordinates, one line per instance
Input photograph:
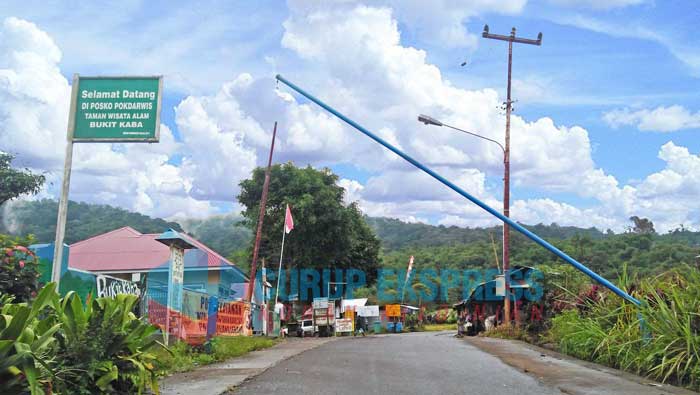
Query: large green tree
(327, 233)
(15, 182)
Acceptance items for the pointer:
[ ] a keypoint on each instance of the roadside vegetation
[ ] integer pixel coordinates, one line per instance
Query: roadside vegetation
(659, 340)
(60, 345)
(52, 344)
(439, 327)
(182, 357)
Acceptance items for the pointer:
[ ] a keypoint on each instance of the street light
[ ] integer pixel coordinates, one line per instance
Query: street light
(506, 185)
(432, 121)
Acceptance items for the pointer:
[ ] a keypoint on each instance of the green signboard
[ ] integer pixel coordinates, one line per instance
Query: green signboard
(113, 109)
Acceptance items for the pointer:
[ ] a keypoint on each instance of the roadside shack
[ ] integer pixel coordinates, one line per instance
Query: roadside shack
(483, 309)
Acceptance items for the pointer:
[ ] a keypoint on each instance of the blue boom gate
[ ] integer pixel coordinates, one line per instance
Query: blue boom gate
(465, 194)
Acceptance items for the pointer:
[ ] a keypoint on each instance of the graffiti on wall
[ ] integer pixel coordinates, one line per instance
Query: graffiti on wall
(110, 287)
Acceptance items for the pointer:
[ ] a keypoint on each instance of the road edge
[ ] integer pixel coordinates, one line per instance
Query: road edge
(231, 389)
(499, 348)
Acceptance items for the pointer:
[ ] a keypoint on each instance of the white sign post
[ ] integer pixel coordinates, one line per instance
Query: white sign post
(176, 274)
(105, 110)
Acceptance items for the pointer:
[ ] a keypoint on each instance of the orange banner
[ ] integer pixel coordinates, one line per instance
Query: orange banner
(393, 310)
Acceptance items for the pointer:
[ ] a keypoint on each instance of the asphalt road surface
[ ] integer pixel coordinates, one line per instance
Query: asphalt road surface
(412, 363)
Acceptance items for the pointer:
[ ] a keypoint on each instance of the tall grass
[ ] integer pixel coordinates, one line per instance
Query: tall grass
(660, 340)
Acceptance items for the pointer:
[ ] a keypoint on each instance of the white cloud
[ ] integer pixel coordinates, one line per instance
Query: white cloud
(413, 185)
(387, 84)
(376, 80)
(598, 4)
(685, 49)
(142, 38)
(534, 211)
(659, 119)
(353, 190)
(34, 101)
(34, 96)
(440, 22)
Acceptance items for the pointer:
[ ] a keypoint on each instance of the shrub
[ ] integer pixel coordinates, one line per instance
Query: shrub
(19, 268)
(26, 344)
(104, 347)
(61, 345)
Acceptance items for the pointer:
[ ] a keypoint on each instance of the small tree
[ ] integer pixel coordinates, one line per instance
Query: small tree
(15, 182)
(642, 225)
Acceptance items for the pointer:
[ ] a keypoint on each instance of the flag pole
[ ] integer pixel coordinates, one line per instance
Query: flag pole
(279, 271)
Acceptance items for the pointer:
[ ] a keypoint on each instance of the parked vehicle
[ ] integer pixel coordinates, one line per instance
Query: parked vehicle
(306, 328)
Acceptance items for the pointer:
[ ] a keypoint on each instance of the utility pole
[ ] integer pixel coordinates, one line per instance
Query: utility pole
(506, 159)
(261, 216)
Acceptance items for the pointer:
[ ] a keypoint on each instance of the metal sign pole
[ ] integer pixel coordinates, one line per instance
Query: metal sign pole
(65, 188)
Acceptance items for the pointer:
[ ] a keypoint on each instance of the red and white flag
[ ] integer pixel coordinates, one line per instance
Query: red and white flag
(410, 267)
(288, 221)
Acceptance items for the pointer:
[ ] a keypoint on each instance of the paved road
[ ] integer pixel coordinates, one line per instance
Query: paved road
(432, 363)
(412, 363)
(219, 377)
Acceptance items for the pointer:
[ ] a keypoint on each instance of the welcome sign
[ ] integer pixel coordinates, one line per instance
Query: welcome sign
(116, 109)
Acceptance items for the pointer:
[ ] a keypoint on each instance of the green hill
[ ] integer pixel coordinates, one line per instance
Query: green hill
(223, 233)
(433, 246)
(396, 234)
(84, 220)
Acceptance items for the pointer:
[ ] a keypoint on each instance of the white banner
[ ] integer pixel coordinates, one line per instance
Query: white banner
(343, 325)
(320, 303)
(368, 311)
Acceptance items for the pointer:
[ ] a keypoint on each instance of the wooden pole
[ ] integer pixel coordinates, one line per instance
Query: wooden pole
(261, 216)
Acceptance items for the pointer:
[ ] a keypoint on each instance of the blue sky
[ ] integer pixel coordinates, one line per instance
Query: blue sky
(605, 122)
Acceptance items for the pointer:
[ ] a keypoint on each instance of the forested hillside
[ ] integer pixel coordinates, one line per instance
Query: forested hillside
(644, 254)
(84, 220)
(433, 246)
(224, 233)
(396, 234)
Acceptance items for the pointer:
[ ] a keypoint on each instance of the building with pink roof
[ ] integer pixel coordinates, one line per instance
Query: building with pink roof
(131, 255)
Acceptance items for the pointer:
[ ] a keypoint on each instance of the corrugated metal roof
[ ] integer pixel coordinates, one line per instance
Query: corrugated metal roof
(128, 250)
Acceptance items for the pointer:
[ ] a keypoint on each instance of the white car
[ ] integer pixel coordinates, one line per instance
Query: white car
(306, 328)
